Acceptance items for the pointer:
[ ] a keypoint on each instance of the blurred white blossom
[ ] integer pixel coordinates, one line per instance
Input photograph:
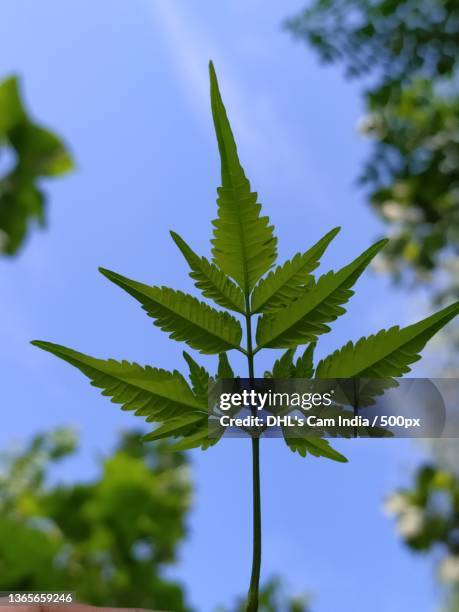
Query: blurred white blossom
(410, 519)
(396, 504)
(393, 211)
(369, 124)
(449, 569)
(410, 522)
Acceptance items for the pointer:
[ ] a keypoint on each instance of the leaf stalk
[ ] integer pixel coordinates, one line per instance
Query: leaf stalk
(253, 594)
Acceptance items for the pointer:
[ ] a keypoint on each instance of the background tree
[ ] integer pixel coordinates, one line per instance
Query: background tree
(427, 516)
(28, 153)
(406, 53)
(110, 539)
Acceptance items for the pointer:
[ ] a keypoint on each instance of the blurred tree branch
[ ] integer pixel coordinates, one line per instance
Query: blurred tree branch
(28, 153)
(406, 52)
(109, 540)
(427, 516)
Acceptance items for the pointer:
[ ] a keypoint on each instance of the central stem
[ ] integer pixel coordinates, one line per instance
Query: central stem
(252, 603)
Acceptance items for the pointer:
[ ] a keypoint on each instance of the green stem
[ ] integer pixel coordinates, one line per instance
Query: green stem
(248, 327)
(356, 404)
(252, 604)
(252, 600)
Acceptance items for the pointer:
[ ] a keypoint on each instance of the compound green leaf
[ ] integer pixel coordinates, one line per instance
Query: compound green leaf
(389, 353)
(306, 318)
(210, 280)
(286, 283)
(244, 246)
(188, 319)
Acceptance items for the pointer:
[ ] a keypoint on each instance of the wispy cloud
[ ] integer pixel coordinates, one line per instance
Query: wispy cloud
(192, 48)
(257, 120)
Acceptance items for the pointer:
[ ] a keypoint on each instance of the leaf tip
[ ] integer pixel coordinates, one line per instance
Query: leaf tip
(374, 249)
(109, 274)
(177, 239)
(451, 311)
(382, 243)
(44, 346)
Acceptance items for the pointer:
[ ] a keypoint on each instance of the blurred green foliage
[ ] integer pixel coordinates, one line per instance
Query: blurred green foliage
(28, 153)
(110, 539)
(427, 516)
(274, 599)
(428, 512)
(406, 52)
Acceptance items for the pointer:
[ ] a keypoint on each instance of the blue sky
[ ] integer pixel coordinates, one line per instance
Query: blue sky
(126, 83)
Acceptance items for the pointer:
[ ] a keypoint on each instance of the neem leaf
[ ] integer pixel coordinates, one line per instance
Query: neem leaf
(157, 395)
(286, 283)
(304, 367)
(244, 246)
(212, 282)
(199, 378)
(387, 354)
(189, 320)
(314, 446)
(306, 318)
(224, 367)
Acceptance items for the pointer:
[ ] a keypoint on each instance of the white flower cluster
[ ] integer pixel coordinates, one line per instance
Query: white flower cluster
(410, 518)
(449, 569)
